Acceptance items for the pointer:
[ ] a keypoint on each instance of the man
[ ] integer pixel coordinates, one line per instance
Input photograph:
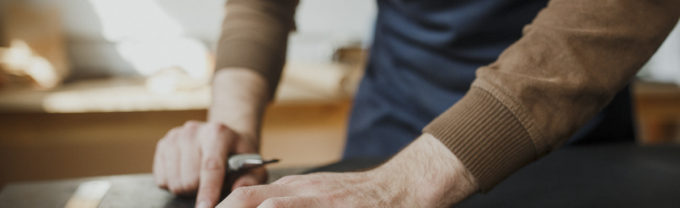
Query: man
(533, 90)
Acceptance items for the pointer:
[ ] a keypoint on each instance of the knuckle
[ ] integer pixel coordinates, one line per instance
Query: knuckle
(160, 144)
(174, 131)
(192, 124)
(216, 126)
(219, 127)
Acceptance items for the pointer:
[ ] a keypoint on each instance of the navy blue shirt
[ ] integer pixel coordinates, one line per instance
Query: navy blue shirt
(423, 59)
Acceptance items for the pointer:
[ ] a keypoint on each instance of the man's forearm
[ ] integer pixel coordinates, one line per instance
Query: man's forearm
(239, 98)
(250, 56)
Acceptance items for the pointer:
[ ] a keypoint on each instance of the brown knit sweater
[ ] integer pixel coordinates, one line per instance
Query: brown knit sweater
(568, 65)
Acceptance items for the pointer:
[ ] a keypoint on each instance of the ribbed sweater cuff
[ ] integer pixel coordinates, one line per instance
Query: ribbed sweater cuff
(485, 135)
(250, 55)
(255, 36)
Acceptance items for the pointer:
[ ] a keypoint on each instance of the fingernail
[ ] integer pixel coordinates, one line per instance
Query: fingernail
(203, 204)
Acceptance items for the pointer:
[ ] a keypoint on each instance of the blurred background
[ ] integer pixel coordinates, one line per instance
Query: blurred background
(87, 87)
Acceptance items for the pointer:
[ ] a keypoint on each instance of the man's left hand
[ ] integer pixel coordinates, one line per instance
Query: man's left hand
(425, 174)
(319, 190)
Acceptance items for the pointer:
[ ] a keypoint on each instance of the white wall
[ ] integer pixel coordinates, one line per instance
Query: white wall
(664, 66)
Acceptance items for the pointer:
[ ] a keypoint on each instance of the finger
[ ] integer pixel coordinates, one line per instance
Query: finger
(214, 150)
(254, 177)
(171, 166)
(292, 201)
(252, 196)
(189, 157)
(158, 174)
(246, 180)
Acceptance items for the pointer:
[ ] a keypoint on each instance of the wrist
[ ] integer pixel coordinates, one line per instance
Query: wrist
(239, 98)
(429, 173)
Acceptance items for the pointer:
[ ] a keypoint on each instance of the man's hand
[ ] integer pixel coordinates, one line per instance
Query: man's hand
(192, 158)
(317, 190)
(425, 174)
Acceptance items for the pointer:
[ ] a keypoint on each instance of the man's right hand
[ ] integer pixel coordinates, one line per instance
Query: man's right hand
(191, 159)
